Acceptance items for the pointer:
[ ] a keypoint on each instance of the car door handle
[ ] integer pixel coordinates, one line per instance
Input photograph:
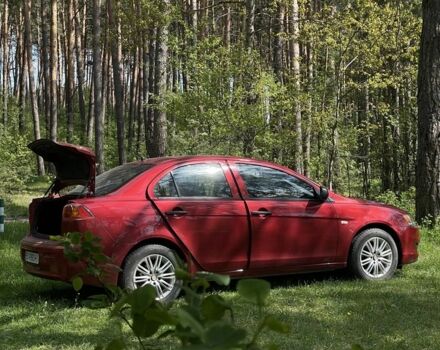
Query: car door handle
(261, 213)
(176, 212)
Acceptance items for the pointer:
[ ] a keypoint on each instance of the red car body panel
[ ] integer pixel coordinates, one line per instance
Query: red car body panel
(209, 223)
(222, 234)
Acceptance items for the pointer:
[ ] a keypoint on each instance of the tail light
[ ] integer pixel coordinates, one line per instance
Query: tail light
(76, 212)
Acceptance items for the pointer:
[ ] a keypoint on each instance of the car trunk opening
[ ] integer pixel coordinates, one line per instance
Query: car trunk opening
(74, 165)
(46, 215)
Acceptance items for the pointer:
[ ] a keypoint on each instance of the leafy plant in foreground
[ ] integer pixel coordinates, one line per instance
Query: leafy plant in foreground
(200, 321)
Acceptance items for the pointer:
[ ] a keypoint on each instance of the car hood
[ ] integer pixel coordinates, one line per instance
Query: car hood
(74, 164)
(359, 201)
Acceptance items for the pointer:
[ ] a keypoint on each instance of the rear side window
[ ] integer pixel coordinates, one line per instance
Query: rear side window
(195, 180)
(115, 178)
(264, 182)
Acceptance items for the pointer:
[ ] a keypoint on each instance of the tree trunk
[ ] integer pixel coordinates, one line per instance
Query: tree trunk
(228, 26)
(97, 80)
(116, 48)
(53, 70)
(308, 130)
(297, 80)
(70, 71)
(160, 117)
(5, 31)
(45, 30)
(22, 86)
(250, 24)
(80, 71)
(428, 101)
(278, 44)
(34, 104)
(151, 91)
(145, 90)
(131, 106)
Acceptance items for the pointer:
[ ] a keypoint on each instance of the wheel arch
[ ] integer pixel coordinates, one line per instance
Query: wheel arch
(385, 228)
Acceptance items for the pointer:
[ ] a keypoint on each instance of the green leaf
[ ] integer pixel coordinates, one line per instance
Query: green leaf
(188, 321)
(144, 327)
(222, 280)
(200, 283)
(165, 334)
(254, 290)
(182, 274)
(214, 307)
(120, 306)
(140, 299)
(74, 237)
(115, 344)
(160, 315)
(88, 236)
(77, 283)
(276, 325)
(222, 335)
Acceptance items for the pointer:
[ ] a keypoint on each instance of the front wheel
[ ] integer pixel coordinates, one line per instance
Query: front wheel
(374, 255)
(153, 265)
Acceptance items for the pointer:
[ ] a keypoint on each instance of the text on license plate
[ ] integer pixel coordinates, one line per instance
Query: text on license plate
(31, 257)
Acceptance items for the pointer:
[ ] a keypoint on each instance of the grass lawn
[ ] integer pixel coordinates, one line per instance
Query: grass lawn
(16, 204)
(325, 311)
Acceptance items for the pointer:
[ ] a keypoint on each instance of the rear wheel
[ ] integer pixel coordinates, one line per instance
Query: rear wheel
(153, 265)
(374, 255)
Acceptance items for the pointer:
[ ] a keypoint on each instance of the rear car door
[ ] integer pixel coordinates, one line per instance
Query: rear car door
(289, 225)
(202, 206)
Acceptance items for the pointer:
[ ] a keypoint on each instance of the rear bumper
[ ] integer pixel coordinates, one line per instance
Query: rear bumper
(53, 265)
(410, 244)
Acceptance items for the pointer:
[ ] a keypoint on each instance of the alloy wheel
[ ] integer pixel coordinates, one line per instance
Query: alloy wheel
(156, 270)
(376, 257)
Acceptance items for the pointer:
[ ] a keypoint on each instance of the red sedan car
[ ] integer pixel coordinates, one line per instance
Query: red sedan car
(229, 215)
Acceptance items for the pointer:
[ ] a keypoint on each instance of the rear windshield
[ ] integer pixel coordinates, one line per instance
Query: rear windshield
(113, 179)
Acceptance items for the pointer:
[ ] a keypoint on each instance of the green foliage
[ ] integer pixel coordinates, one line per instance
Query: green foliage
(85, 248)
(16, 162)
(200, 321)
(404, 200)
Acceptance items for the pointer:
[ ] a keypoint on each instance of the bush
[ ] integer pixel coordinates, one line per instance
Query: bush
(16, 161)
(403, 200)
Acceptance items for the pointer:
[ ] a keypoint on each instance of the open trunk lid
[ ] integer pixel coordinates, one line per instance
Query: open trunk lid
(74, 164)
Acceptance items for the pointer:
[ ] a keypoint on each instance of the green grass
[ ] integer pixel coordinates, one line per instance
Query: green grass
(17, 202)
(325, 311)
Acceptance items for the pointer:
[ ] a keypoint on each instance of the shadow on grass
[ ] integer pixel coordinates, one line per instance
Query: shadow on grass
(332, 310)
(38, 336)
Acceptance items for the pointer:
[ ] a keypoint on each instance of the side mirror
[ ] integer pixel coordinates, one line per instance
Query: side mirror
(323, 193)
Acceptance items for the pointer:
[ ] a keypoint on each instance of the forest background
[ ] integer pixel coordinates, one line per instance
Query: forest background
(328, 88)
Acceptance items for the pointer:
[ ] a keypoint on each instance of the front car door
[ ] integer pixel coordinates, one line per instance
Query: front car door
(201, 204)
(289, 225)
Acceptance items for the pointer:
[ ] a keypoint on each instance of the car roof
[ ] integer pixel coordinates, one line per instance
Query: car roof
(179, 159)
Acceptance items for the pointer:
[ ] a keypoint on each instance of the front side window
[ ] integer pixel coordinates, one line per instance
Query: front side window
(196, 180)
(264, 182)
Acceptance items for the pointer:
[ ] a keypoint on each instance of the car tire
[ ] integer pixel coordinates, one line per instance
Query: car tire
(374, 255)
(153, 265)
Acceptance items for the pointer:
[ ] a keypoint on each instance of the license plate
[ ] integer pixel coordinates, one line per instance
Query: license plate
(31, 257)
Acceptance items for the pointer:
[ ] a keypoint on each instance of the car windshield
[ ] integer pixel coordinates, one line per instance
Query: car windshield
(113, 179)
